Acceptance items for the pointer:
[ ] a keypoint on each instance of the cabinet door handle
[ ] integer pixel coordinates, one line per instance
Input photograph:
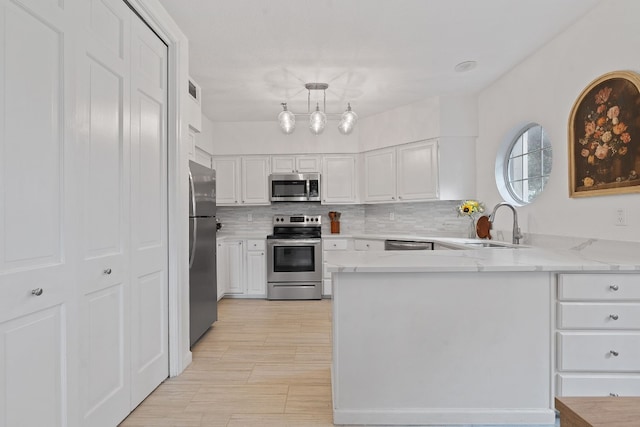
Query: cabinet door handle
(613, 316)
(614, 287)
(614, 353)
(614, 394)
(367, 245)
(37, 292)
(107, 271)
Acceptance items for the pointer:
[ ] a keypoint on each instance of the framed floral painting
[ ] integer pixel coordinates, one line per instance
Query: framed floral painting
(604, 137)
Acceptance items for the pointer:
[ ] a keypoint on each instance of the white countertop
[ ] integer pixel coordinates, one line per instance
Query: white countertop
(481, 260)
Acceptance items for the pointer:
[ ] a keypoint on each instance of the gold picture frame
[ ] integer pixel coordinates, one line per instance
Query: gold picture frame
(604, 137)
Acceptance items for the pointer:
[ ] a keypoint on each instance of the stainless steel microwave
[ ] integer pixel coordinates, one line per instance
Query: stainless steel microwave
(295, 187)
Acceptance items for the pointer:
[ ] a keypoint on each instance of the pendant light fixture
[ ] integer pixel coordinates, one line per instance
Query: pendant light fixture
(317, 118)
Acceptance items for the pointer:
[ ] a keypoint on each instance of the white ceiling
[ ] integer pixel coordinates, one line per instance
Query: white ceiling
(250, 55)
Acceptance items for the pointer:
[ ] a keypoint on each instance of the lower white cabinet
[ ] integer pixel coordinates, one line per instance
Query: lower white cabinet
(598, 336)
(368, 245)
(230, 266)
(332, 244)
(242, 268)
(256, 257)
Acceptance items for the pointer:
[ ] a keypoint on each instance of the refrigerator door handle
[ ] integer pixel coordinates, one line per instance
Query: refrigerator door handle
(192, 249)
(193, 195)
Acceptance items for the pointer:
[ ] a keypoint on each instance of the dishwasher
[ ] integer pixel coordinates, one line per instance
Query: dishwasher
(407, 245)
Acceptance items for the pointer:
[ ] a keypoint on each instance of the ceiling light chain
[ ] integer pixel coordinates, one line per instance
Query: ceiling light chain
(317, 118)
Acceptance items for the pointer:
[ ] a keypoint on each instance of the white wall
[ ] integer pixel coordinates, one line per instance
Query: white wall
(430, 118)
(543, 89)
(204, 139)
(267, 138)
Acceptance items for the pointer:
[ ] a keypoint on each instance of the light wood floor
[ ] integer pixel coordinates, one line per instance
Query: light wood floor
(263, 363)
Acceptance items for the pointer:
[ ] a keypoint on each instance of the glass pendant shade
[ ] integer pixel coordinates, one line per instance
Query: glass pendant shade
(286, 120)
(348, 121)
(317, 121)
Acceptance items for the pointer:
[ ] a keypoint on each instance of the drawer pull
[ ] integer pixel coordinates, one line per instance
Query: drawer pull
(37, 292)
(614, 287)
(613, 316)
(614, 353)
(614, 394)
(107, 271)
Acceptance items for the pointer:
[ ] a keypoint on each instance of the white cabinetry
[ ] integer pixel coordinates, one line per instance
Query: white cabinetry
(227, 180)
(242, 180)
(222, 273)
(230, 276)
(295, 164)
(407, 172)
(332, 244)
(369, 245)
(380, 175)
(255, 180)
(417, 172)
(339, 179)
(256, 268)
(598, 337)
(242, 268)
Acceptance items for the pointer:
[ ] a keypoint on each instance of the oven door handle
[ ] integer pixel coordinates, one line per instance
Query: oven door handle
(293, 242)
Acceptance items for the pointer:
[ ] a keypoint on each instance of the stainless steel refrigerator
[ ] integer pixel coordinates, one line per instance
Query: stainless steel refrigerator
(203, 294)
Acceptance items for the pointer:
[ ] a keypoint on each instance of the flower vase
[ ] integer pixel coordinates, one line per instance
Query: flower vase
(472, 228)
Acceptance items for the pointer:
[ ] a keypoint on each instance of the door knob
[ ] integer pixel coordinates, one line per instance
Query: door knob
(37, 292)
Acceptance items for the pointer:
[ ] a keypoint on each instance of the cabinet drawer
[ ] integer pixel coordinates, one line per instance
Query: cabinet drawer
(255, 245)
(576, 315)
(369, 245)
(335, 245)
(598, 385)
(599, 351)
(599, 286)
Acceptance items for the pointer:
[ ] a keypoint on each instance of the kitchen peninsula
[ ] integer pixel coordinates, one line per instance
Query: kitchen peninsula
(468, 336)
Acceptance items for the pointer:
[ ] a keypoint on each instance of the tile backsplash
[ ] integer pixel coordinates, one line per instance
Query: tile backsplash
(438, 218)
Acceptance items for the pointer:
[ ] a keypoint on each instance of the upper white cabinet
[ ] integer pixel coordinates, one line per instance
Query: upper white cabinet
(339, 179)
(380, 175)
(242, 180)
(255, 181)
(417, 172)
(295, 164)
(227, 180)
(404, 173)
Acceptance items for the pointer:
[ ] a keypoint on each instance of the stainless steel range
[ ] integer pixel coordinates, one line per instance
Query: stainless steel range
(294, 258)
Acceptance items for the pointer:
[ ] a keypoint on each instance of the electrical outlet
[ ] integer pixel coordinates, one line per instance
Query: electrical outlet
(249, 217)
(392, 216)
(621, 217)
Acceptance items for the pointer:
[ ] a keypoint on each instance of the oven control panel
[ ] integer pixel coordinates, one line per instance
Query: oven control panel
(297, 220)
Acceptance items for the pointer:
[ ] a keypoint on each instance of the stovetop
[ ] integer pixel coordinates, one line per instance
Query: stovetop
(296, 227)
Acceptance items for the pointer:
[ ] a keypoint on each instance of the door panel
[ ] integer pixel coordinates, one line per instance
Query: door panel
(35, 275)
(149, 276)
(32, 142)
(31, 369)
(104, 276)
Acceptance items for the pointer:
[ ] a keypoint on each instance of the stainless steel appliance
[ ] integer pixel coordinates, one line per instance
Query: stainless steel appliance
(203, 295)
(294, 258)
(295, 187)
(407, 245)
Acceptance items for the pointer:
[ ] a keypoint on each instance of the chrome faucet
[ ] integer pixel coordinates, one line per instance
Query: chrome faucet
(517, 235)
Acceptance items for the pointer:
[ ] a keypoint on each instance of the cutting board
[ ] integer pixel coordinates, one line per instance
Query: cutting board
(482, 227)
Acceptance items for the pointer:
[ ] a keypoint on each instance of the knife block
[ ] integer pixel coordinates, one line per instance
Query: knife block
(335, 227)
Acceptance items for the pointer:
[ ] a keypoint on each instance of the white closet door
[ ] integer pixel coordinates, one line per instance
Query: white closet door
(35, 271)
(149, 276)
(105, 290)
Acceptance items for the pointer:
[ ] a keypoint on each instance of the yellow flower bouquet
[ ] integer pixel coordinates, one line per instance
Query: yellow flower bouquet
(470, 207)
